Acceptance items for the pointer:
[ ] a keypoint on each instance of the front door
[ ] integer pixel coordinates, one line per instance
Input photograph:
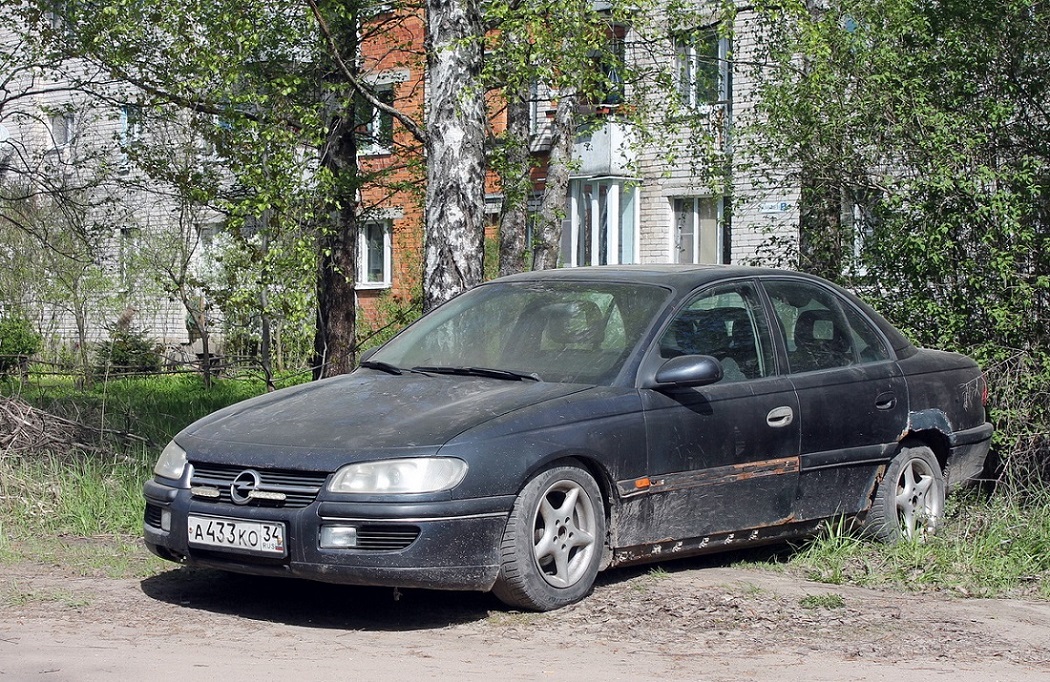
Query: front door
(722, 457)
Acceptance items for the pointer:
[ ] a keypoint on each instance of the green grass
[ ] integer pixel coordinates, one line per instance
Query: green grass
(77, 493)
(96, 489)
(153, 408)
(18, 597)
(999, 546)
(822, 601)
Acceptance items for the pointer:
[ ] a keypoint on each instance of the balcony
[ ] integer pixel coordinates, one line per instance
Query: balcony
(605, 150)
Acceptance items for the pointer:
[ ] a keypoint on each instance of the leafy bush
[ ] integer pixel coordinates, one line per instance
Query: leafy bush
(1019, 405)
(128, 351)
(17, 339)
(939, 183)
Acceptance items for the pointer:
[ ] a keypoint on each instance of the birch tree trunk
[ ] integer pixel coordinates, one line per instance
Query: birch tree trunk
(456, 122)
(517, 186)
(545, 251)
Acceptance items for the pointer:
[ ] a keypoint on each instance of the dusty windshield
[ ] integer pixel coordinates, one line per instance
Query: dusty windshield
(579, 332)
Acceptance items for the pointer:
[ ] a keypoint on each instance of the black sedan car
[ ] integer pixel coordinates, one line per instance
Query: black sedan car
(544, 426)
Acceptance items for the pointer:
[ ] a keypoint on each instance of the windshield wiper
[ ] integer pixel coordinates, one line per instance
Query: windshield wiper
(388, 368)
(382, 367)
(487, 372)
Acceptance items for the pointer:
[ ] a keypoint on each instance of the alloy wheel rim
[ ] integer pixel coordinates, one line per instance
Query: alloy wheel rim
(564, 528)
(918, 500)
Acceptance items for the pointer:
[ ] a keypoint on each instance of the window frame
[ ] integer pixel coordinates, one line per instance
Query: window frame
(845, 313)
(364, 251)
(375, 131)
(765, 336)
(64, 121)
(689, 60)
(697, 238)
(603, 242)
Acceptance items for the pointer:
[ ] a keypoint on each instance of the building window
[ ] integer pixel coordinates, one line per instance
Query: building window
(603, 222)
(57, 17)
(130, 124)
(130, 238)
(535, 113)
(374, 254)
(696, 232)
(612, 68)
(375, 128)
(62, 129)
(701, 58)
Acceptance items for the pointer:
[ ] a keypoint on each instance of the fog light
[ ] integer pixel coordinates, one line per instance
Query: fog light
(165, 520)
(338, 537)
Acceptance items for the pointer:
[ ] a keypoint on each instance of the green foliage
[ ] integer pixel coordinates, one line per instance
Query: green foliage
(491, 260)
(822, 601)
(128, 351)
(914, 130)
(1019, 402)
(246, 116)
(17, 338)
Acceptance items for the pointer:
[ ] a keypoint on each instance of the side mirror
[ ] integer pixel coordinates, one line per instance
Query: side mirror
(688, 370)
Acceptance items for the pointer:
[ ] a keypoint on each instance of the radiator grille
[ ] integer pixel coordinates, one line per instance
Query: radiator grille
(298, 488)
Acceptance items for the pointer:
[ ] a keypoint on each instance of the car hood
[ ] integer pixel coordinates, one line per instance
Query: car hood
(364, 413)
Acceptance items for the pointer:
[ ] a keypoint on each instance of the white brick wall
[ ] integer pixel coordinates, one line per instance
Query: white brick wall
(755, 222)
(91, 158)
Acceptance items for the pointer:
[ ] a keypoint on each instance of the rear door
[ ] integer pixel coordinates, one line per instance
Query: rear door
(853, 398)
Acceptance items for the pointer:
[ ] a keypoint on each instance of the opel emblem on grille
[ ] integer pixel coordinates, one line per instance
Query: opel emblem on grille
(244, 485)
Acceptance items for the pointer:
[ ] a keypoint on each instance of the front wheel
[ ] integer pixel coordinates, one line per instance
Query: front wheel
(909, 501)
(553, 543)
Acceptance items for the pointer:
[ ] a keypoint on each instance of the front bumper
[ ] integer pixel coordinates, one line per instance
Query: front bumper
(456, 547)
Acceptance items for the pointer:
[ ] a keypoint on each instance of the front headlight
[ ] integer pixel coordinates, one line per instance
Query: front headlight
(413, 475)
(172, 462)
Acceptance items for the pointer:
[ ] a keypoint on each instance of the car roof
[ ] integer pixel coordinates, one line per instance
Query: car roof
(672, 275)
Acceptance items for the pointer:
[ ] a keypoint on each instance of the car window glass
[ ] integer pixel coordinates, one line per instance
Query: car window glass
(820, 331)
(869, 345)
(726, 323)
(561, 331)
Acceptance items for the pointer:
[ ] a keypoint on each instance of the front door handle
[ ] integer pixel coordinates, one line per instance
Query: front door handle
(885, 401)
(779, 417)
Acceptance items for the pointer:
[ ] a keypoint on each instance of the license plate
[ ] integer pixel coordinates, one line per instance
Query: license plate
(255, 537)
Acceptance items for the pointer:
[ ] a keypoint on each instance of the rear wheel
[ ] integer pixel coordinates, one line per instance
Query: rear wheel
(909, 502)
(553, 543)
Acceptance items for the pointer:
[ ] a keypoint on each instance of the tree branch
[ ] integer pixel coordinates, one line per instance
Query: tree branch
(410, 125)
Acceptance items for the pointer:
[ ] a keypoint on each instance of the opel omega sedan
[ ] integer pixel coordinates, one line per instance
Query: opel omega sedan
(542, 427)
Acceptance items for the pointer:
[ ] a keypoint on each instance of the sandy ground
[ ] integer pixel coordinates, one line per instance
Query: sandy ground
(689, 620)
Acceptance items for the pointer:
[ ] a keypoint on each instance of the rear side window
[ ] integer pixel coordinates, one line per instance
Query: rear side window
(821, 331)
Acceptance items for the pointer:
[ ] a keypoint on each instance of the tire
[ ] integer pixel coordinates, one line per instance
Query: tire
(909, 502)
(552, 547)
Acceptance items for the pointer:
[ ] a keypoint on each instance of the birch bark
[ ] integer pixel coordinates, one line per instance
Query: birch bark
(456, 122)
(545, 251)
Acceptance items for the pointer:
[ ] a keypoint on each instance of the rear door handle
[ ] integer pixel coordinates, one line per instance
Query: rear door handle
(886, 401)
(779, 417)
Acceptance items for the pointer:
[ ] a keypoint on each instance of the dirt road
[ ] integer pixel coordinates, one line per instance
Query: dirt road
(686, 621)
